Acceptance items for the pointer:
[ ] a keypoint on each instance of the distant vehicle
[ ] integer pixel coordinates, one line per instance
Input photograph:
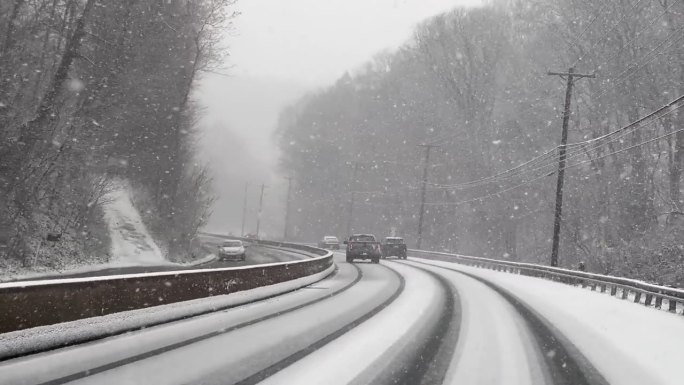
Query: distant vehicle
(329, 242)
(251, 236)
(231, 250)
(394, 247)
(363, 246)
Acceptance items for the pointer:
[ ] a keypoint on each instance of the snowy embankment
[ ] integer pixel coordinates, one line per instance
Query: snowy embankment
(628, 343)
(131, 243)
(54, 336)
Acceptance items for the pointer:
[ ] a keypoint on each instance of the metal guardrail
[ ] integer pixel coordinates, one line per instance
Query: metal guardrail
(280, 244)
(29, 304)
(624, 288)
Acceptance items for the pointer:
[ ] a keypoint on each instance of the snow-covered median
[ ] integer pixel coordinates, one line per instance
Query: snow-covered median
(54, 336)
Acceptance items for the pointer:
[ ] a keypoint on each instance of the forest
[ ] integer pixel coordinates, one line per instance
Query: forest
(474, 83)
(92, 92)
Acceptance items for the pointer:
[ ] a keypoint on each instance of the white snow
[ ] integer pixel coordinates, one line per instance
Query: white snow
(131, 243)
(56, 335)
(627, 342)
(51, 274)
(491, 332)
(361, 353)
(170, 273)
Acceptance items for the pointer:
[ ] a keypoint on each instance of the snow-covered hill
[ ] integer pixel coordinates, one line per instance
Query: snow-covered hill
(131, 243)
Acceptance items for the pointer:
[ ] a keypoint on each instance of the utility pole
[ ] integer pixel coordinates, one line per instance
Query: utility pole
(287, 207)
(244, 211)
(570, 75)
(428, 147)
(261, 202)
(351, 201)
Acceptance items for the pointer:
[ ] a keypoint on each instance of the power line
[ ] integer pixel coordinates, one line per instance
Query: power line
(565, 168)
(671, 107)
(666, 106)
(630, 71)
(576, 152)
(497, 176)
(607, 32)
(576, 41)
(636, 35)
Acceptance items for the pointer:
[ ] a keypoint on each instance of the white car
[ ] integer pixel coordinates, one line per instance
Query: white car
(329, 242)
(233, 250)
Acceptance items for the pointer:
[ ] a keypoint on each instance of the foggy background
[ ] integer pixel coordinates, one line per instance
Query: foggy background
(281, 51)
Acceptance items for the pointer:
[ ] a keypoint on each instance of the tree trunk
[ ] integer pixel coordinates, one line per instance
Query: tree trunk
(9, 42)
(32, 130)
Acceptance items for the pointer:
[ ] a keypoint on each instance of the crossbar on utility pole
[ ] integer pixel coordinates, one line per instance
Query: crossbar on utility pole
(287, 207)
(421, 214)
(244, 211)
(261, 202)
(571, 75)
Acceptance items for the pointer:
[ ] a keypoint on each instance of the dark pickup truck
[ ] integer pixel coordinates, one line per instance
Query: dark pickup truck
(363, 246)
(394, 247)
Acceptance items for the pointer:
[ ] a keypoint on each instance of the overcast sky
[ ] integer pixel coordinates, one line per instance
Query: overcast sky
(280, 50)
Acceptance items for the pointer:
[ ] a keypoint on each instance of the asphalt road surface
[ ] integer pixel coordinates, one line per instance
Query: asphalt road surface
(397, 322)
(254, 255)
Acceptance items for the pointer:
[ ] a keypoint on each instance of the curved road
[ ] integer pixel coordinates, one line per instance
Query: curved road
(254, 255)
(399, 322)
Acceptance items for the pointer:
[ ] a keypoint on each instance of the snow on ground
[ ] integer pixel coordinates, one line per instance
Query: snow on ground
(627, 342)
(51, 336)
(362, 353)
(130, 240)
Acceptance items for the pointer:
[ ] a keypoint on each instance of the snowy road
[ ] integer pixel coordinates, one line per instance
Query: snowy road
(410, 322)
(255, 255)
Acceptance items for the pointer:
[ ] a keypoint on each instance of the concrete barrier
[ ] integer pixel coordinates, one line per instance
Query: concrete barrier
(36, 303)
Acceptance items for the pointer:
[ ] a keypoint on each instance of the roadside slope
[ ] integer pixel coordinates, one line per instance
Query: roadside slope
(131, 243)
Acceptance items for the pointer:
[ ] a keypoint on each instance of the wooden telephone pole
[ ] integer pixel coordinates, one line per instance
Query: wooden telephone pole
(421, 214)
(287, 208)
(261, 205)
(351, 201)
(570, 75)
(244, 211)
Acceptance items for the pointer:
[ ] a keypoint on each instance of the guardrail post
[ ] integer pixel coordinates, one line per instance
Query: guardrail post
(625, 292)
(613, 290)
(659, 302)
(649, 299)
(672, 305)
(637, 297)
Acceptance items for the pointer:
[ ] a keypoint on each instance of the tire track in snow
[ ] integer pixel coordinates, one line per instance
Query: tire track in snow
(566, 364)
(180, 344)
(429, 363)
(289, 360)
